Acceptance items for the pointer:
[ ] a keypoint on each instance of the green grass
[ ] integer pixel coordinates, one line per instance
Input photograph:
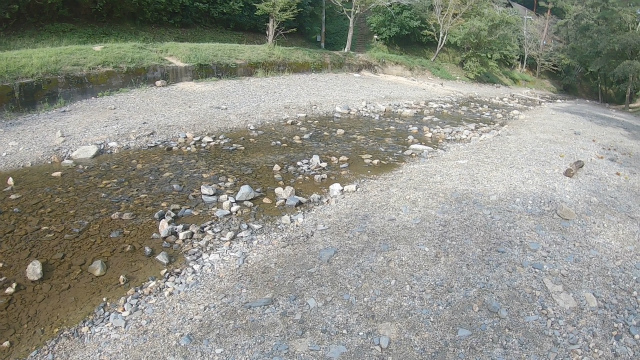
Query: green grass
(232, 53)
(411, 62)
(65, 49)
(34, 63)
(59, 35)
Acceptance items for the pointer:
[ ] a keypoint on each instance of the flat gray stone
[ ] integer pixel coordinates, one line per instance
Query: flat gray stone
(98, 268)
(186, 340)
(493, 306)
(335, 351)
(384, 342)
(164, 258)
(222, 213)
(85, 152)
(419, 147)
(246, 193)
(327, 254)
(502, 313)
(312, 303)
(208, 199)
(591, 300)
(463, 333)
(563, 298)
(118, 321)
(293, 201)
(565, 212)
(258, 303)
(207, 190)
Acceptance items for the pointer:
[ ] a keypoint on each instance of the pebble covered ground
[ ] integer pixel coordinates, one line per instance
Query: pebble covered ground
(483, 251)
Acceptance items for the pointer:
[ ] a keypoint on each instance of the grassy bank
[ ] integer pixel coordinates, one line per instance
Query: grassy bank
(59, 35)
(66, 49)
(33, 63)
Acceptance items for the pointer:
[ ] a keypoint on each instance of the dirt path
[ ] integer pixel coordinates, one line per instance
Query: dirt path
(458, 256)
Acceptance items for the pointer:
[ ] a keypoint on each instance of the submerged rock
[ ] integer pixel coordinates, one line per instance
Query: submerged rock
(34, 270)
(164, 258)
(98, 268)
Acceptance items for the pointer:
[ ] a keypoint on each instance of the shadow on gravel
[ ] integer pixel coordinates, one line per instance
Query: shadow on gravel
(605, 117)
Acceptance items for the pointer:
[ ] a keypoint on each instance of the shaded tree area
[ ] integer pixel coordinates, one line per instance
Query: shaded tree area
(602, 54)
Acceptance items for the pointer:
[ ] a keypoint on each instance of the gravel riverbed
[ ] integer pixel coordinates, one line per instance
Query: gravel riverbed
(485, 251)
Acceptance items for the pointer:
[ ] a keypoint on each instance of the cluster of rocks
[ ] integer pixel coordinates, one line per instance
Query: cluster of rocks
(496, 108)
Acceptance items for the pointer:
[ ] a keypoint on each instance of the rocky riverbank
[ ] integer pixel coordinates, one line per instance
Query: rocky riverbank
(484, 250)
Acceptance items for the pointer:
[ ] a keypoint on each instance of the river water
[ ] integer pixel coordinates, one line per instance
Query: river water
(69, 216)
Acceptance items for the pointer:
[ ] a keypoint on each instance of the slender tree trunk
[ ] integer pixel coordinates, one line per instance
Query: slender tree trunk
(523, 68)
(442, 39)
(352, 19)
(271, 30)
(599, 90)
(628, 98)
(544, 39)
(324, 19)
(546, 28)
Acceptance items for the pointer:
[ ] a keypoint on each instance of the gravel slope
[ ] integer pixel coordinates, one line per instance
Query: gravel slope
(460, 255)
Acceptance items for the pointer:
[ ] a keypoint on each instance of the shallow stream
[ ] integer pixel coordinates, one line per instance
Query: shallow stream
(69, 216)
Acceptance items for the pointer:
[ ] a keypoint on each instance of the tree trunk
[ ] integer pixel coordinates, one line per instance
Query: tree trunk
(324, 20)
(271, 30)
(523, 68)
(442, 39)
(599, 90)
(352, 19)
(544, 40)
(628, 98)
(546, 28)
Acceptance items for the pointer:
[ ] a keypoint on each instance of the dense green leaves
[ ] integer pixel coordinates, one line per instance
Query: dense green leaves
(398, 24)
(601, 35)
(488, 40)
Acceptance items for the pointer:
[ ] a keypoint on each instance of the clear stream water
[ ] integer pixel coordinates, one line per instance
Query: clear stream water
(66, 221)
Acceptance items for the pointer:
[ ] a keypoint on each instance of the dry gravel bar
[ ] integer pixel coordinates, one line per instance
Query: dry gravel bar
(458, 256)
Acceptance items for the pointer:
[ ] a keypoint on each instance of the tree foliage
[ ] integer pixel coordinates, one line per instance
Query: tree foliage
(444, 16)
(398, 24)
(488, 39)
(600, 36)
(278, 12)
